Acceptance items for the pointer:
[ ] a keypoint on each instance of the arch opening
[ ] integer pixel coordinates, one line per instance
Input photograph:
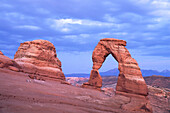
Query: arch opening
(108, 66)
(109, 72)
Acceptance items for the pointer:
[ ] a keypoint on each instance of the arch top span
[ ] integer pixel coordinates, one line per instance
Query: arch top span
(116, 41)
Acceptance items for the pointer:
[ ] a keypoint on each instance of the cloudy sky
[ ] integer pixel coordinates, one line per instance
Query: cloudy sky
(76, 26)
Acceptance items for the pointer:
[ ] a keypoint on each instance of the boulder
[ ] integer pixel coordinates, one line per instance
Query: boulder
(39, 57)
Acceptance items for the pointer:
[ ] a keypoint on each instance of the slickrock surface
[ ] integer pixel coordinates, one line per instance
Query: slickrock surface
(130, 80)
(39, 58)
(6, 62)
(159, 97)
(20, 94)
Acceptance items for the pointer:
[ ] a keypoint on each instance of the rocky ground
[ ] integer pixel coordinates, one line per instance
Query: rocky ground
(20, 94)
(159, 92)
(158, 81)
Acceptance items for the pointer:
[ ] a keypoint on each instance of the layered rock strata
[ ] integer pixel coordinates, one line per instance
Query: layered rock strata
(130, 81)
(6, 62)
(39, 58)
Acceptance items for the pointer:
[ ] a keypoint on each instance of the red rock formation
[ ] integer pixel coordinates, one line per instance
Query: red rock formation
(6, 62)
(95, 81)
(1, 53)
(130, 80)
(39, 57)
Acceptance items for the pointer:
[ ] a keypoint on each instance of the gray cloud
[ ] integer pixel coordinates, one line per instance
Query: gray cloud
(142, 24)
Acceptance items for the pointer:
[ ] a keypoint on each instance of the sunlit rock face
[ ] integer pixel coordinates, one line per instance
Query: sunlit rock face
(39, 57)
(130, 81)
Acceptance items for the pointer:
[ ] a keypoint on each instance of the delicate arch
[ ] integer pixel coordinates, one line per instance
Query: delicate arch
(130, 77)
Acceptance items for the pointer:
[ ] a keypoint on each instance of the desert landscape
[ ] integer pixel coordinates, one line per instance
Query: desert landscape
(84, 56)
(34, 82)
(20, 94)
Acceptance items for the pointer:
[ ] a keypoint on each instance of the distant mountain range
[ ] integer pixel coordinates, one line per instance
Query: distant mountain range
(115, 72)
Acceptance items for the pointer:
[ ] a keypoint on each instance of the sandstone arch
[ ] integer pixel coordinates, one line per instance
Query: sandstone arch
(130, 78)
(130, 81)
